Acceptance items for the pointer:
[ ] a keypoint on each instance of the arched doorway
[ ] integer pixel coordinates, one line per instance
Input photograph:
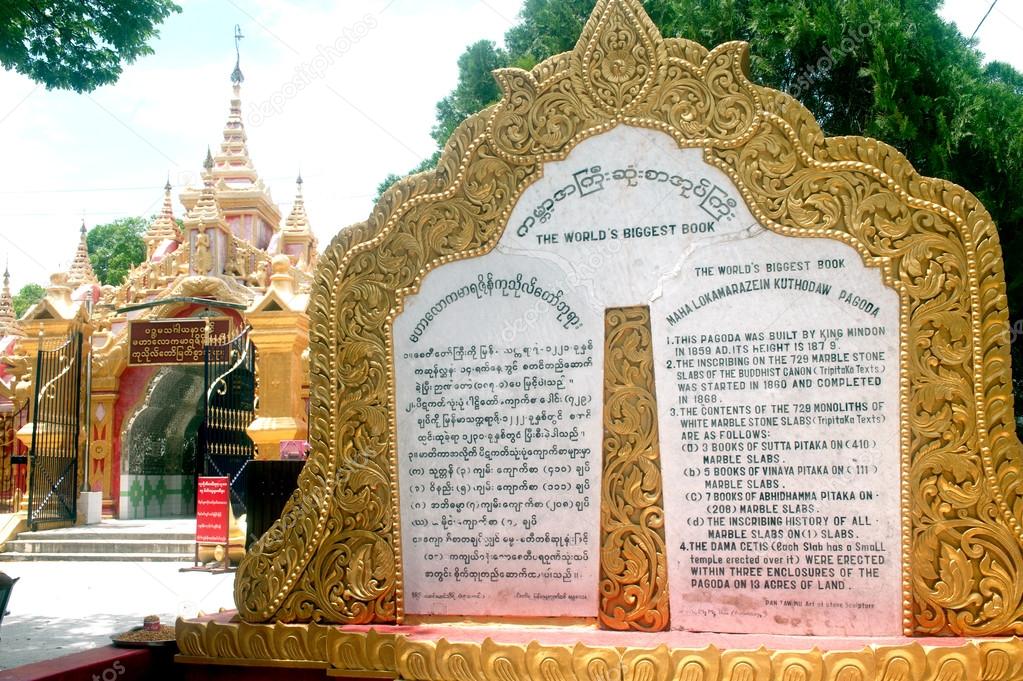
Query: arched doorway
(158, 461)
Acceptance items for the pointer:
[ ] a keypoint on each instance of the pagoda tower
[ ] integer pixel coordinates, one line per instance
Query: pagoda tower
(245, 200)
(206, 229)
(8, 320)
(164, 227)
(297, 239)
(81, 272)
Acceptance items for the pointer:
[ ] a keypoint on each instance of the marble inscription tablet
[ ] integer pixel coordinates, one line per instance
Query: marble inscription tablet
(777, 383)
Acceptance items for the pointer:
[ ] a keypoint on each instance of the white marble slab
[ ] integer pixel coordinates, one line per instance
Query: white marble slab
(499, 370)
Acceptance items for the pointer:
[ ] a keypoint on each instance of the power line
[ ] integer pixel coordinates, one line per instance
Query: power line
(983, 19)
(1011, 20)
(159, 188)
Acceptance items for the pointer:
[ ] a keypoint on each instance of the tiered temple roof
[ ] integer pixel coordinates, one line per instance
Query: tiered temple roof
(206, 210)
(164, 227)
(7, 317)
(81, 271)
(298, 221)
(297, 231)
(231, 227)
(239, 187)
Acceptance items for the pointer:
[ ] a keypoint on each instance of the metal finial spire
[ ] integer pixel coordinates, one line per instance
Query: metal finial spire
(236, 77)
(167, 187)
(208, 163)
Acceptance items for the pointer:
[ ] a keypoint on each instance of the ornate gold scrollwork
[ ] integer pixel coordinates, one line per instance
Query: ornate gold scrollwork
(633, 556)
(335, 555)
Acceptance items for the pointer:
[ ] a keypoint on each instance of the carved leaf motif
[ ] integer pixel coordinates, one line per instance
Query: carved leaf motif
(955, 574)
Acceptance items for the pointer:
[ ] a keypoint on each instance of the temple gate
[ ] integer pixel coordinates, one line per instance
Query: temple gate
(229, 400)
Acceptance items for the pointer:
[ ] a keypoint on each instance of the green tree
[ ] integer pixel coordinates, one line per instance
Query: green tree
(115, 248)
(29, 295)
(77, 44)
(476, 90)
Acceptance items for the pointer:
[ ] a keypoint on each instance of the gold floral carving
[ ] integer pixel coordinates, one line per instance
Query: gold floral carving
(633, 556)
(335, 555)
(379, 654)
(286, 645)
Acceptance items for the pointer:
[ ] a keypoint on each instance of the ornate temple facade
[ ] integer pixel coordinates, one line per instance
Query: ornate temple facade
(226, 253)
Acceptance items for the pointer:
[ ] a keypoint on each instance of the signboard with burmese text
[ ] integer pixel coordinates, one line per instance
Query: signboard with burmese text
(213, 510)
(174, 341)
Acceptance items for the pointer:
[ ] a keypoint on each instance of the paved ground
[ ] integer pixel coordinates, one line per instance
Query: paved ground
(61, 608)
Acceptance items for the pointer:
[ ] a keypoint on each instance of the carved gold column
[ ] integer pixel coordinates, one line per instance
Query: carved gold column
(101, 446)
(633, 563)
(280, 332)
(109, 362)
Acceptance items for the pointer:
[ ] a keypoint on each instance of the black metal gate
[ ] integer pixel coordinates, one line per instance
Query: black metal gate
(56, 435)
(13, 460)
(230, 408)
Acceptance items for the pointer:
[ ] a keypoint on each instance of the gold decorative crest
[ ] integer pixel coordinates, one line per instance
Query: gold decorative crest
(335, 555)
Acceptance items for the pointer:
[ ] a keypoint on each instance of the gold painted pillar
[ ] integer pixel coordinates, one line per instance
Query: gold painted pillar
(101, 447)
(109, 361)
(280, 332)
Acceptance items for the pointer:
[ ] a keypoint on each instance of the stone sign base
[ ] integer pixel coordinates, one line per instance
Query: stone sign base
(513, 651)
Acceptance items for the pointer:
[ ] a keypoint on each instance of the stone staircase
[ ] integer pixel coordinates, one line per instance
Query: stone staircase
(129, 541)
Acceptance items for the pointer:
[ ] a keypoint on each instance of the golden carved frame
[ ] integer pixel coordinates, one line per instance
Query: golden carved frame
(335, 555)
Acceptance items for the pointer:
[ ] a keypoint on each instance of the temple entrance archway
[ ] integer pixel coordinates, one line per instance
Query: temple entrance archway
(158, 464)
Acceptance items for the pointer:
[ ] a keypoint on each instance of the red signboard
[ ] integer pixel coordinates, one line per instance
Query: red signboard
(212, 511)
(174, 341)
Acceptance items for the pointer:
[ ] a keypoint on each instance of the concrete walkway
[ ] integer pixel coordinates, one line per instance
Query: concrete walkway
(61, 608)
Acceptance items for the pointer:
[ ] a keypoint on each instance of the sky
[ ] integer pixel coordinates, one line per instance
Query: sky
(344, 92)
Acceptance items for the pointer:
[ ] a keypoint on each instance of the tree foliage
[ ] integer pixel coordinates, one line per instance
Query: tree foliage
(115, 248)
(29, 295)
(77, 44)
(894, 71)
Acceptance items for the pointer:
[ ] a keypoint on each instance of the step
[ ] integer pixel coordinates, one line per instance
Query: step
(98, 557)
(101, 535)
(125, 546)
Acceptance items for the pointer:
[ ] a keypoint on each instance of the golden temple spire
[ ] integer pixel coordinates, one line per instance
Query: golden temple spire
(207, 227)
(164, 227)
(298, 221)
(233, 165)
(81, 271)
(244, 198)
(297, 238)
(7, 316)
(207, 210)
